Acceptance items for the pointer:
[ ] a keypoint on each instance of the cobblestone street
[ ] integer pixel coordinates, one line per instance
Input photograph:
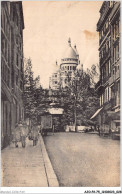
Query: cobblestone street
(84, 159)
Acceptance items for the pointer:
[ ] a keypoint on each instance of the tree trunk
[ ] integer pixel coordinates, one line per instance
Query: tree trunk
(75, 116)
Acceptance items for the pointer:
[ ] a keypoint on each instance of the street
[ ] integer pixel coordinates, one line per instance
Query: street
(86, 160)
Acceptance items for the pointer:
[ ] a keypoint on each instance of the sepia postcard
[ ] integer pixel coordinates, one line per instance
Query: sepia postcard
(60, 96)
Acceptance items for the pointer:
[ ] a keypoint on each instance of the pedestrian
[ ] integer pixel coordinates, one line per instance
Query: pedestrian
(23, 132)
(16, 135)
(53, 129)
(40, 129)
(35, 134)
(99, 130)
(109, 132)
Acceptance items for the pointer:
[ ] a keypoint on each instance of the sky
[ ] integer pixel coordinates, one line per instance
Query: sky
(48, 26)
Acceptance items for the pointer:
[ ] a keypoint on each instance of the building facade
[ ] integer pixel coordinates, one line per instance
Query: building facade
(108, 86)
(12, 25)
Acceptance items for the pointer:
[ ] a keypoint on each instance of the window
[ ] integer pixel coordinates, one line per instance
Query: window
(102, 74)
(2, 68)
(3, 44)
(118, 51)
(113, 71)
(21, 85)
(107, 24)
(109, 93)
(114, 55)
(119, 26)
(104, 97)
(4, 71)
(114, 31)
(100, 101)
(17, 58)
(4, 23)
(8, 55)
(112, 92)
(16, 79)
(74, 68)
(6, 51)
(109, 43)
(118, 94)
(8, 78)
(109, 69)
(2, 18)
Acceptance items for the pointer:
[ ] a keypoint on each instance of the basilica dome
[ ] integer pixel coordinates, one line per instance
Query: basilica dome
(69, 53)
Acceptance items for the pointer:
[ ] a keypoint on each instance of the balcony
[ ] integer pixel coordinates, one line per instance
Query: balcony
(99, 87)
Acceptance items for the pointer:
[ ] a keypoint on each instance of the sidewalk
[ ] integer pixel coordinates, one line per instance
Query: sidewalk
(27, 167)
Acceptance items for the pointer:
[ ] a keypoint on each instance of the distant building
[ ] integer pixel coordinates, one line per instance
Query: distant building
(108, 86)
(69, 63)
(12, 25)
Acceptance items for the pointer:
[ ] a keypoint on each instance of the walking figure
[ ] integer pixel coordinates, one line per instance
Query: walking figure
(34, 134)
(53, 129)
(19, 134)
(16, 135)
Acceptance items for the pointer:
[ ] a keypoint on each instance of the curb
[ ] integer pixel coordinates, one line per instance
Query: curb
(51, 176)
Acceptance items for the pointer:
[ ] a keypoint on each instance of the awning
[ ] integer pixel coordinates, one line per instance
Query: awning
(96, 113)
